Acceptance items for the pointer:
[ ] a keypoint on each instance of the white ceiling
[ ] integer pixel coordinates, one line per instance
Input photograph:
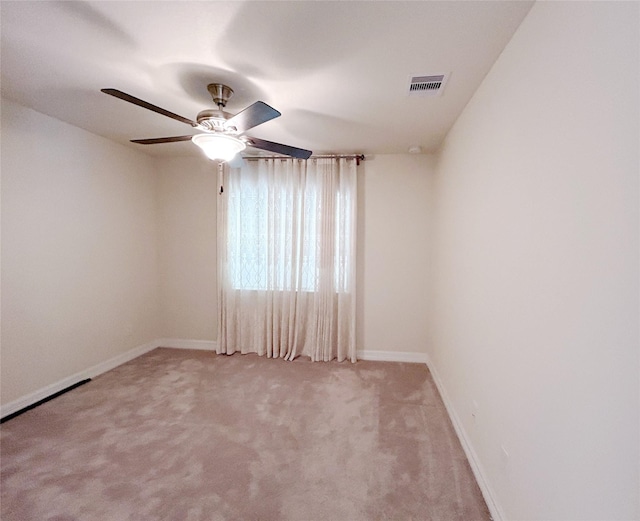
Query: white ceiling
(338, 71)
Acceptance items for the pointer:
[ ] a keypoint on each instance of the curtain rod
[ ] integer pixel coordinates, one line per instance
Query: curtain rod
(357, 157)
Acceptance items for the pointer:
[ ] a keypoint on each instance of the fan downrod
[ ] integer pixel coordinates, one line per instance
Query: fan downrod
(220, 93)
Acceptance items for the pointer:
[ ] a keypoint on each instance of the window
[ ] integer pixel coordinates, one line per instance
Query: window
(277, 232)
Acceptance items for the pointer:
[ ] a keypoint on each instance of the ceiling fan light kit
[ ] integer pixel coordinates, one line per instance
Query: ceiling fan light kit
(219, 146)
(220, 138)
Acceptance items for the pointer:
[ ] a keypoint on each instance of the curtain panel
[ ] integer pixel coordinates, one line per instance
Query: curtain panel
(286, 258)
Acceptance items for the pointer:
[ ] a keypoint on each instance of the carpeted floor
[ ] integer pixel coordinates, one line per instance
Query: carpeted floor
(189, 435)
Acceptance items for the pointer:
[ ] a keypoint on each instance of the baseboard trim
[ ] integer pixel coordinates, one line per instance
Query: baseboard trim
(92, 372)
(380, 356)
(497, 514)
(44, 400)
(181, 343)
(392, 356)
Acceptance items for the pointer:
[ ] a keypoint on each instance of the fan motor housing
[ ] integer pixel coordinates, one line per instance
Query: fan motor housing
(213, 119)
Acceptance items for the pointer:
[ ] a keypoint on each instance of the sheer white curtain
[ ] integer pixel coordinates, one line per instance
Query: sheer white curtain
(286, 258)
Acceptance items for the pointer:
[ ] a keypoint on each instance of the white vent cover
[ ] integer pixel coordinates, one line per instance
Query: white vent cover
(427, 84)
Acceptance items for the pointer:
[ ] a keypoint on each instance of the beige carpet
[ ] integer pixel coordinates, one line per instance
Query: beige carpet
(189, 435)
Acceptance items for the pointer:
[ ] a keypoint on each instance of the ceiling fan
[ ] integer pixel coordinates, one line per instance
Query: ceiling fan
(222, 134)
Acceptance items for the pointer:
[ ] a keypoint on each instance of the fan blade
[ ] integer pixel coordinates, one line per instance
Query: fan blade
(141, 103)
(156, 140)
(252, 116)
(262, 144)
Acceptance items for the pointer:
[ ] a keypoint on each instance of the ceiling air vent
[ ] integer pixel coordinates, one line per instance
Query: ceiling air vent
(427, 85)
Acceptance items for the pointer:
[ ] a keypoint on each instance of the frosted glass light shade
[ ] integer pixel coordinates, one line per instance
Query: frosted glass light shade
(219, 146)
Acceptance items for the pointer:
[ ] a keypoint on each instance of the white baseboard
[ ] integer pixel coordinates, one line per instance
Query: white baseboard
(178, 343)
(497, 514)
(381, 356)
(103, 367)
(181, 343)
(392, 356)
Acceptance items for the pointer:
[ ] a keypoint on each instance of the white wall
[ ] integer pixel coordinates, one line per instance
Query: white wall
(105, 249)
(392, 251)
(394, 193)
(536, 258)
(79, 252)
(187, 233)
